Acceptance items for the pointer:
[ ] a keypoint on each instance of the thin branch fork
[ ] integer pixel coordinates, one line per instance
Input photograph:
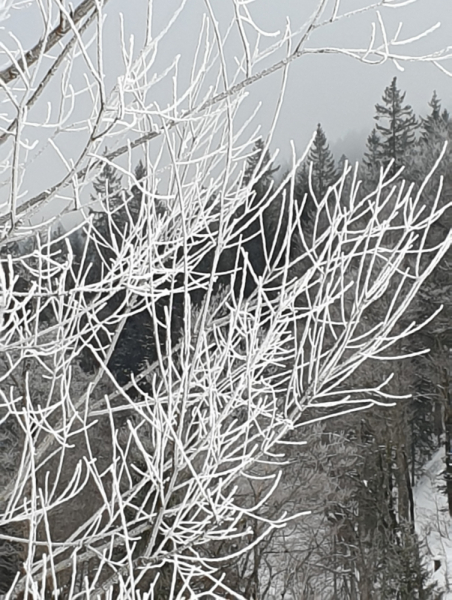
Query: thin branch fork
(64, 26)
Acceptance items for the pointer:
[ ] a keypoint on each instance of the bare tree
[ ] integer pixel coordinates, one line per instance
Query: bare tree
(136, 487)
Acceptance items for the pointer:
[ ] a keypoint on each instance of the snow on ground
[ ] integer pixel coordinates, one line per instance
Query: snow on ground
(433, 523)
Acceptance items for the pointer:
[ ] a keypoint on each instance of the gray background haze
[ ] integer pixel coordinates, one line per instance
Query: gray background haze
(334, 90)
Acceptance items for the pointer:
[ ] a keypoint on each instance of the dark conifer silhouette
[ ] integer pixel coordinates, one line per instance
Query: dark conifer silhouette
(396, 124)
(316, 174)
(371, 162)
(324, 171)
(435, 127)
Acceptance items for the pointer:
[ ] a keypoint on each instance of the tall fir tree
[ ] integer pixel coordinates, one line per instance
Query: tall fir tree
(396, 124)
(314, 177)
(138, 194)
(135, 199)
(323, 166)
(119, 208)
(108, 185)
(259, 167)
(108, 195)
(113, 221)
(435, 130)
(371, 162)
(305, 202)
(436, 127)
(342, 165)
(433, 388)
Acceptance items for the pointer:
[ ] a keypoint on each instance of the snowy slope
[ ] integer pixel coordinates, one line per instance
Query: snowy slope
(433, 523)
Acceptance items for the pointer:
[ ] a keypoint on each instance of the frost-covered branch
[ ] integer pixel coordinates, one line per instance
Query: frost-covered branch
(157, 353)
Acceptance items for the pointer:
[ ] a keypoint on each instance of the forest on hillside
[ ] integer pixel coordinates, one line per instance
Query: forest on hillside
(222, 379)
(354, 474)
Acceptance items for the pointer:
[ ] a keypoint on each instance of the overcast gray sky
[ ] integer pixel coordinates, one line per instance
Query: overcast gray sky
(340, 92)
(335, 90)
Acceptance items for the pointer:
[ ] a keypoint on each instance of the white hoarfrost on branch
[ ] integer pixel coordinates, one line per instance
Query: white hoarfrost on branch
(151, 365)
(5, 8)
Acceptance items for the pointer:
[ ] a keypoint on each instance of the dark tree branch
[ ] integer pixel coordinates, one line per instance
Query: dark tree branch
(64, 26)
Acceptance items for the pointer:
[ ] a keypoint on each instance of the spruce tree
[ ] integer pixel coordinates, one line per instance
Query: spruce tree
(435, 130)
(432, 396)
(324, 171)
(135, 199)
(313, 178)
(396, 125)
(121, 211)
(436, 127)
(108, 185)
(260, 168)
(342, 165)
(306, 204)
(371, 162)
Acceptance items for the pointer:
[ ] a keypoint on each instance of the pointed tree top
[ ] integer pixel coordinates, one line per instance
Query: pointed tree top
(435, 127)
(396, 126)
(260, 164)
(323, 164)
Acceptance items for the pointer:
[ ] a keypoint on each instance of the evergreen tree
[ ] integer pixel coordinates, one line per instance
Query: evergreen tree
(436, 126)
(136, 198)
(107, 188)
(118, 212)
(371, 162)
(432, 390)
(342, 165)
(324, 171)
(435, 130)
(396, 125)
(302, 193)
(140, 171)
(259, 167)
(343, 161)
(108, 185)
(123, 206)
(314, 177)
(121, 212)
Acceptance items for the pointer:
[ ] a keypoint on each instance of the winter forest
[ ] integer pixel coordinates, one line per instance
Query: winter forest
(222, 375)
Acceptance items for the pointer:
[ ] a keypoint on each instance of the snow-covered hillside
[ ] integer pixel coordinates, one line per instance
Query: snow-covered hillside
(434, 525)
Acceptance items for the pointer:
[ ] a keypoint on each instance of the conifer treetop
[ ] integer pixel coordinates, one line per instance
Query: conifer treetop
(323, 165)
(108, 183)
(435, 127)
(259, 165)
(398, 128)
